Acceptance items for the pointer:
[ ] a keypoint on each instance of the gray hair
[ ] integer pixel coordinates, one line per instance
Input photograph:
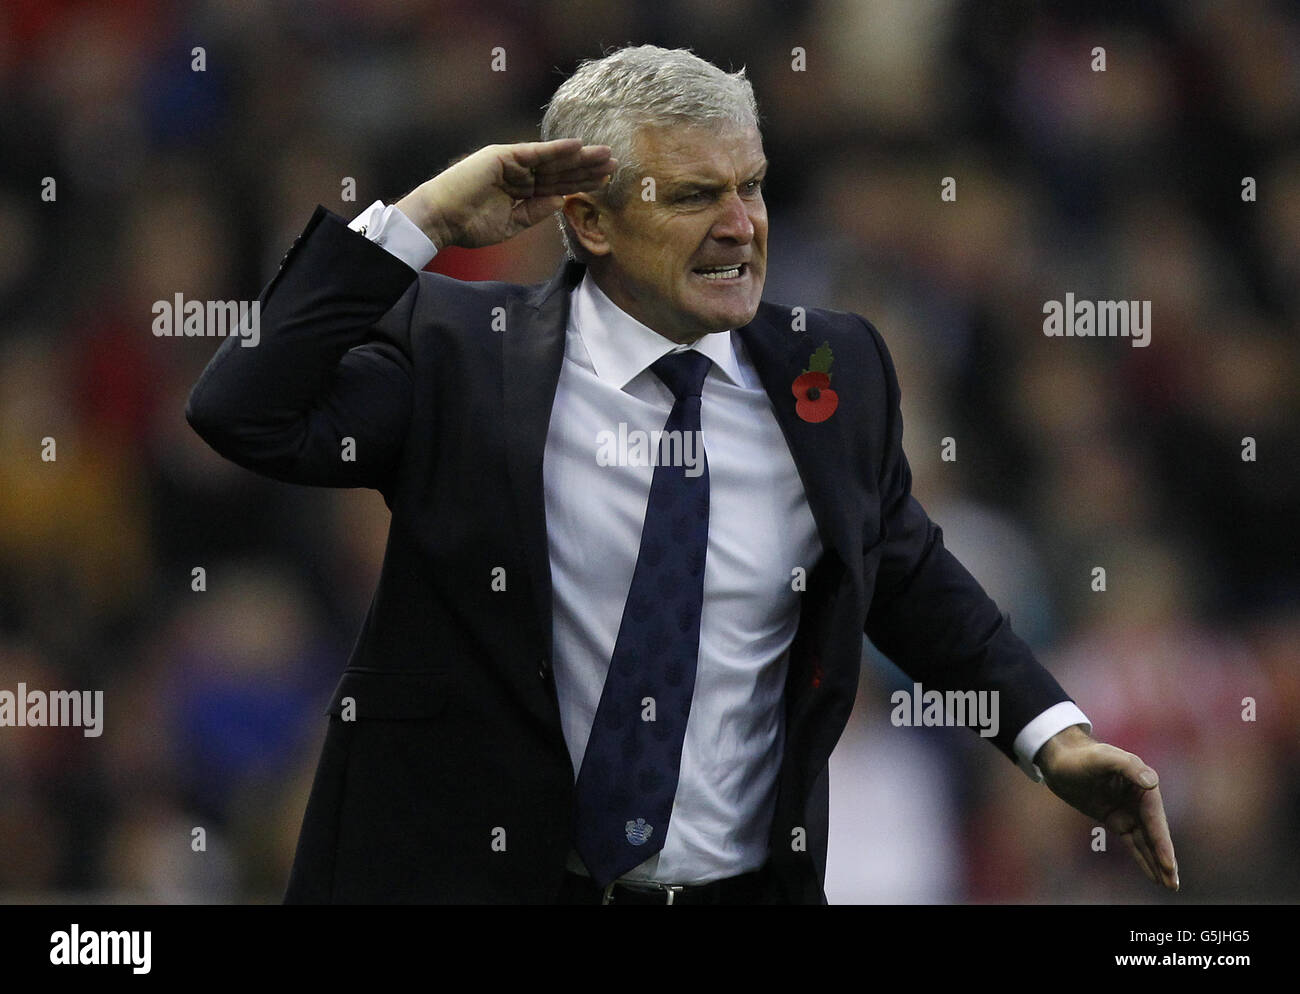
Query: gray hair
(607, 100)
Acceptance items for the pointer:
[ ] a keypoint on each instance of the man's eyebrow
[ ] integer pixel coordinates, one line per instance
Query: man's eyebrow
(701, 183)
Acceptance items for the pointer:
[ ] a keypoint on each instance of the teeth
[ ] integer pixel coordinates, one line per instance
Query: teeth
(720, 274)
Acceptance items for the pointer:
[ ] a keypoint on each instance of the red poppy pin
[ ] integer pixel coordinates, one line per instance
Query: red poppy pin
(815, 401)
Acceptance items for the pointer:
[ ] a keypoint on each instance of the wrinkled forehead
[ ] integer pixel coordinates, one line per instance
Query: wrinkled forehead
(714, 150)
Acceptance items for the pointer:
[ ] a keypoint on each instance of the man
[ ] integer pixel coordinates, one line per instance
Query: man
(593, 672)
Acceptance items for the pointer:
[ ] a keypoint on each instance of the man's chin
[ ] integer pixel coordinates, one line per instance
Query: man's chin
(715, 319)
(737, 318)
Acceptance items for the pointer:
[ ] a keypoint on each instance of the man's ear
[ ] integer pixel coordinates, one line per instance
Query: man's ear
(586, 218)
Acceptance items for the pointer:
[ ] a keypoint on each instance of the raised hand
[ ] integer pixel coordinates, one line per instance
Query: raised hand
(501, 190)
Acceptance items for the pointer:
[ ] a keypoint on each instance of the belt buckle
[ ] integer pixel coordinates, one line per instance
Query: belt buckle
(669, 890)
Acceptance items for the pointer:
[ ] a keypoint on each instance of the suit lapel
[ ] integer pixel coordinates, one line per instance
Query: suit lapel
(820, 450)
(534, 353)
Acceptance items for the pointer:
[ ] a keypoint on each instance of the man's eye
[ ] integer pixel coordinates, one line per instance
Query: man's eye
(753, 186)
(698, 197)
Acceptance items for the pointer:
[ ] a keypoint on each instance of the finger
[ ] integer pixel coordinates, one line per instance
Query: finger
(529, 212)
(1151, 811)
(564, 189)
(577, 174)
(561, 179)
(1154, 827)
(1166, 878)
(563, 153)
(576, 177)
(534, 153)
(587, 157)
(573, 180)
(1143, 845)
(1114, 760)
(1137, 855)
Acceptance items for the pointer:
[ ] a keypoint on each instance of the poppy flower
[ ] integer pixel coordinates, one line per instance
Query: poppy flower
(816, 401)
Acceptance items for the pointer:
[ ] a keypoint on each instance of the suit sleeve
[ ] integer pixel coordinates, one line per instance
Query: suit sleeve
(324, 396)
(930, 616)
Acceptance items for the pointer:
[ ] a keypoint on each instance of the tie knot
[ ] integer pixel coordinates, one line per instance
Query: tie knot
(683, 372)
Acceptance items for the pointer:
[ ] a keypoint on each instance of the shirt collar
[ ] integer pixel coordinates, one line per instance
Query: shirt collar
(621, 347)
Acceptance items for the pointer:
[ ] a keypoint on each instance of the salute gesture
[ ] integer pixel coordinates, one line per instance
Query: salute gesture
(501, 190)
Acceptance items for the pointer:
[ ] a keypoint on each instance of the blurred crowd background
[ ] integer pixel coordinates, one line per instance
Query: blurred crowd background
(1071, 453)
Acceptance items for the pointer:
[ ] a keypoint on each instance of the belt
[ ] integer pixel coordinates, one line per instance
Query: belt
(747, 888)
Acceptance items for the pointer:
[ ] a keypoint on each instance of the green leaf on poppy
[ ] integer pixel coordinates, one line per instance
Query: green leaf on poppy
(821, 360)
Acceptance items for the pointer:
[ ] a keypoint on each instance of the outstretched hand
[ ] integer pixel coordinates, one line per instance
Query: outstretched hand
(501, 190)
(1117, 789)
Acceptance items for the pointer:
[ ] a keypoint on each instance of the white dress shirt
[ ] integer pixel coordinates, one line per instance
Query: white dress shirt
(760, 530)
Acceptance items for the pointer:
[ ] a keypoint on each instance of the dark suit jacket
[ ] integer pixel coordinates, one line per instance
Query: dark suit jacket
(453, 782)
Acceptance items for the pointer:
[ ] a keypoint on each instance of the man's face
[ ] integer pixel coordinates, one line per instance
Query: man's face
(668, 257)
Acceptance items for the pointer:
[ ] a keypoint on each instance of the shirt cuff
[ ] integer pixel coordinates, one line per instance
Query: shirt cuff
(1034, 735)
(392, 230)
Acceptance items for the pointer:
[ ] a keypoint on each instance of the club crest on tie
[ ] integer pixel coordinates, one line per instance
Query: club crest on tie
(638, 832)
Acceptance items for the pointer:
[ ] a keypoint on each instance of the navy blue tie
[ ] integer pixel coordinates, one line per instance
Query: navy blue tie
(629, 772)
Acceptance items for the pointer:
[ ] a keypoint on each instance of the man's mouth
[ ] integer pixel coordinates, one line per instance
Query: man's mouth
(723, 272)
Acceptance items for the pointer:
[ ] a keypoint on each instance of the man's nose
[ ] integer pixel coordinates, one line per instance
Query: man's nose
(735, 222)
